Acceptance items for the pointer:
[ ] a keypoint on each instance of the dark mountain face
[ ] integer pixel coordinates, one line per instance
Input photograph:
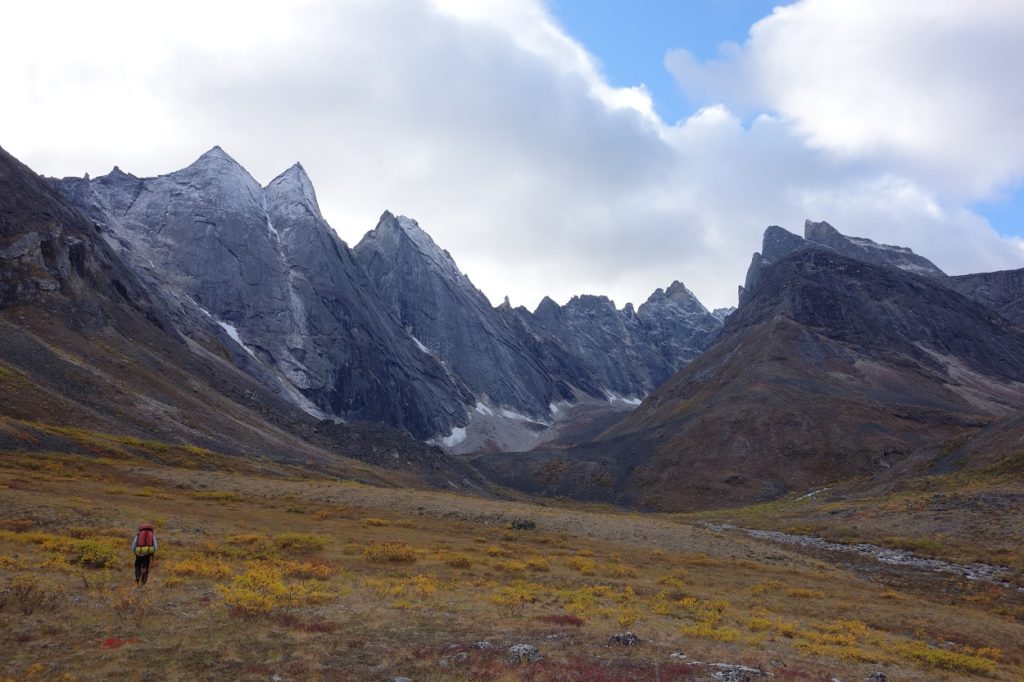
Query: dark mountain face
(1002, 291)
(451, 318)
(47, 248)
(831, 367)
(265, 267)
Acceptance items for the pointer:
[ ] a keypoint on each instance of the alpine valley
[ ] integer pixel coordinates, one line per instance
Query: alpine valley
(362, 469)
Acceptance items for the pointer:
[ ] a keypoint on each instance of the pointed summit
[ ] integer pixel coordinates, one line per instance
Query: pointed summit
(293, 186)
(218, 163)
(676, 295)
(115, 174)
(678, 289)
(215, 153)
(396, 234)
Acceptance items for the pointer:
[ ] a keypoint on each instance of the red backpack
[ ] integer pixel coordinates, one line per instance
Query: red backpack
(144, 541)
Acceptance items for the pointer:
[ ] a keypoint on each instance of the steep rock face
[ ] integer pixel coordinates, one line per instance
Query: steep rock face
(677, 325)
(777, 243)
(451, 318)
(267, 268)
(599, 338)
(1002, 291)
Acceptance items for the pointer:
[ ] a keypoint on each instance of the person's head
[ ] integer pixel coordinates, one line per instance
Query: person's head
(145, 526)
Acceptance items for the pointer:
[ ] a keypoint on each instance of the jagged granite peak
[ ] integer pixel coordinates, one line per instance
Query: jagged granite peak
(49, 250)
(630, 351)
(216, 154)
(100, 351)
(869, 251)
(441, 308)
(294, 186)
(591, 302)
(547, 308)
(264, 265)
(392, 230)
(680, 297)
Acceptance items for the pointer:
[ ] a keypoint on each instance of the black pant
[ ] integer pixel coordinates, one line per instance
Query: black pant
(142, 568)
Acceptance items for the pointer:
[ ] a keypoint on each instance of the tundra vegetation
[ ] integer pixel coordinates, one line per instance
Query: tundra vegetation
(273, 571)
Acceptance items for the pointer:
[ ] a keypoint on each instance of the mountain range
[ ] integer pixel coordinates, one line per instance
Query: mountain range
(389, 331)
(202, 308)
(845, 359)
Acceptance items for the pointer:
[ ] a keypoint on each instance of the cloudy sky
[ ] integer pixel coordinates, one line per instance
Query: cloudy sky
(559, 147)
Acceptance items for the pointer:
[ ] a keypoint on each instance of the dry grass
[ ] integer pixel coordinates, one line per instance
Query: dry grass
(393, 582)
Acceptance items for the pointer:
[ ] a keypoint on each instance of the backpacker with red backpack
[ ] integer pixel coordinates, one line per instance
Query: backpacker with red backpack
(144, 544)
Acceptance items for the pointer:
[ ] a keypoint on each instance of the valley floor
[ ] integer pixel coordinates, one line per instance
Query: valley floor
(281, 577)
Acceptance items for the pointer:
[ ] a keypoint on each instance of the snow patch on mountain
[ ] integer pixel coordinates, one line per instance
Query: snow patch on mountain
(457, 435)
(615, 398)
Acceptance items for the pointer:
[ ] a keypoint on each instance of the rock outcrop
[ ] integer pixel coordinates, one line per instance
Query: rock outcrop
(779, 243)
(868, 251)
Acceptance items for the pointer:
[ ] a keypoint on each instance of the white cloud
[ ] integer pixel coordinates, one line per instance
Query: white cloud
(484, 121)
(930, 88)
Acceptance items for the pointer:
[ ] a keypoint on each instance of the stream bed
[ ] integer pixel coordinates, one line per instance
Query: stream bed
(997, 575)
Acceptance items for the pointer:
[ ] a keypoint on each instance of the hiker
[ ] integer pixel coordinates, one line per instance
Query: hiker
(144, 547)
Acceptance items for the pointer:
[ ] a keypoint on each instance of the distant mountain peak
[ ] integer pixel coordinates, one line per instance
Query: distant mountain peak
(294, 185)
(115, 175)
(676, 295)
(547, 307)
(399, 229)
(218, 163)
(869, 251)
(779, 242)
(215, 153)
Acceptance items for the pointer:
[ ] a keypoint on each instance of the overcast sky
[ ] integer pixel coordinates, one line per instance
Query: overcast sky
(501, 133)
